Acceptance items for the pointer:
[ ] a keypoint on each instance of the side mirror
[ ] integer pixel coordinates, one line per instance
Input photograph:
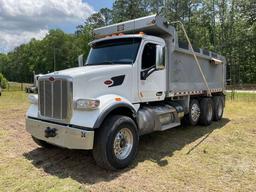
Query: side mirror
(160, 57)
(81, 60)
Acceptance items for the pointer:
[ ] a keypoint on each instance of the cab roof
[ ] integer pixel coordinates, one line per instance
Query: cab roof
(152, 25)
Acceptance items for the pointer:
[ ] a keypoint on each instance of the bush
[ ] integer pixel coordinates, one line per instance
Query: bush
(3, 81)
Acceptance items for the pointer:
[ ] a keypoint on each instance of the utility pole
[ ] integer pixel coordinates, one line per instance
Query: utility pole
(213, 21)
(54, 59)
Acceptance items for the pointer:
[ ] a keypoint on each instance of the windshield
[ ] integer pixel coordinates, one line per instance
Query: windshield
(117, 51)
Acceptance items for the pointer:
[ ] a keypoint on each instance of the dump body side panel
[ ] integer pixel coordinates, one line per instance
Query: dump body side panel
(184, 74)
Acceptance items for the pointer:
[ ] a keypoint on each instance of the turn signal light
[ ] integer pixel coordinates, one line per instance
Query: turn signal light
(118, 99)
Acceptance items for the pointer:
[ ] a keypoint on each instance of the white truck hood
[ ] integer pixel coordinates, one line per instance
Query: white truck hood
(90, 81)
(78, 71)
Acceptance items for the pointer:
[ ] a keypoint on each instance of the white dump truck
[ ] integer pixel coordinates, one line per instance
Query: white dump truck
(138, 79)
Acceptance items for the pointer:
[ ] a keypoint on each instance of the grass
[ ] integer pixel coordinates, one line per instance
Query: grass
(220, 157)
(243, 97)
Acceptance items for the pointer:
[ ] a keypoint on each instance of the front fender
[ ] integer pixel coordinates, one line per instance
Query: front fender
(94, 118)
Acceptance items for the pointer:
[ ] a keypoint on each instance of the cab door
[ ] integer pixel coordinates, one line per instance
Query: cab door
(152, 72)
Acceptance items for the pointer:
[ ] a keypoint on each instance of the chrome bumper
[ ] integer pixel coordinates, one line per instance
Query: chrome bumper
(68, 137)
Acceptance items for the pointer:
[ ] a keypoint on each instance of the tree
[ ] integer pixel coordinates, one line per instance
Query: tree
(3, 81)
(124, 10)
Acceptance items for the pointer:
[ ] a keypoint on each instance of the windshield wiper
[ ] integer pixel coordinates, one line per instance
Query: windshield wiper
(107, 62)
(101, 63)
(110, 63)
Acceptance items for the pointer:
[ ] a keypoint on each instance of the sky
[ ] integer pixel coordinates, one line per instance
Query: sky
(22, 20)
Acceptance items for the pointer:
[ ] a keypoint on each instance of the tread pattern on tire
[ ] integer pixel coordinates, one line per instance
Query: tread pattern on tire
(204, 108)
(216, 100)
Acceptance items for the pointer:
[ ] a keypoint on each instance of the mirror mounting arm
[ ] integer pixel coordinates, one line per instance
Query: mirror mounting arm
(80, 60)
(144, 74)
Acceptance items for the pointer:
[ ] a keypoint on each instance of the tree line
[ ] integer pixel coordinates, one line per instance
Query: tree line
(227, 27)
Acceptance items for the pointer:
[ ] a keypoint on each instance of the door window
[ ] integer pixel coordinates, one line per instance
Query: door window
(149, 56)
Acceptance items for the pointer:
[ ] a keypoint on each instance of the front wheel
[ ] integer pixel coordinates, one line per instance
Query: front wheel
(116, 143)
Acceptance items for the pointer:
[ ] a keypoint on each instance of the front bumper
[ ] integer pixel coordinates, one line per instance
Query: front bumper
(68, 137)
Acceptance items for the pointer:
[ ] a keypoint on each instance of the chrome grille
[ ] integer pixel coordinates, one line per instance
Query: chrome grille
(55, 98)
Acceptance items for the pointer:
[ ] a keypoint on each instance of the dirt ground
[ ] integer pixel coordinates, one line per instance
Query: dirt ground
(220, 157)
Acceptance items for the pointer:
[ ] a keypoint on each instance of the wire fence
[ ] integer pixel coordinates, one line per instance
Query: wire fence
(13, 86)
(250, 87)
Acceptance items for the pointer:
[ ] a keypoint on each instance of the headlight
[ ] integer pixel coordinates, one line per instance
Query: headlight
(33, 99)
(87, 104)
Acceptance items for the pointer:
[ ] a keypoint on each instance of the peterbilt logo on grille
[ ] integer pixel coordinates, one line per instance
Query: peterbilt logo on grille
(51, 78)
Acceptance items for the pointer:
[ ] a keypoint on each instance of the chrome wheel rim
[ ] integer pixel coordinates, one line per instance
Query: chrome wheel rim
(195, 112)
(123, 143)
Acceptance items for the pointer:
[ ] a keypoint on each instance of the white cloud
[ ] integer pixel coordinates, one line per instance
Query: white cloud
(21, 20)
(10, 40)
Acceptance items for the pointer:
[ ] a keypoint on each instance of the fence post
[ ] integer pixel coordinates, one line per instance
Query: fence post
(232, 95)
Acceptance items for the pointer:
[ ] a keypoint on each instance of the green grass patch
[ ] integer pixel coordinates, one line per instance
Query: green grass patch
(12, 100)
(238, 96)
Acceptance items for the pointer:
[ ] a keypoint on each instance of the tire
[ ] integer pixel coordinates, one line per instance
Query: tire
(218, 108)
(42, 143)
(206, 108)
(193, 116)
(105, 154)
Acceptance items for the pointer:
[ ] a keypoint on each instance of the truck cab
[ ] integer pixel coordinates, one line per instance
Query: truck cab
(126, 88)
(137, 55)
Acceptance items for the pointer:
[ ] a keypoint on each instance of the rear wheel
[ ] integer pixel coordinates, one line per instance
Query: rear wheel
(116, 143)
(192, 117)
(206, 108)
(218, 108)
(42, 143)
